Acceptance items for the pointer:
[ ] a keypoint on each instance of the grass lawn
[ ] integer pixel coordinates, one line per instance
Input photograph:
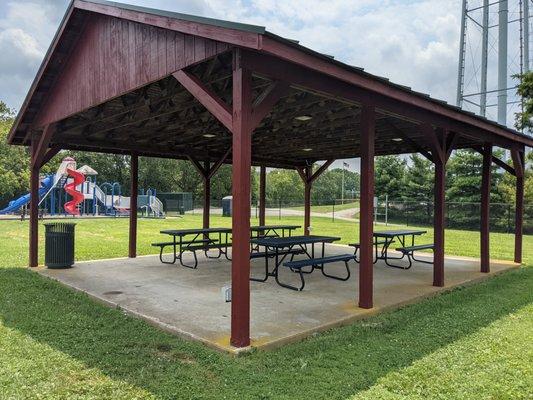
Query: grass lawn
(471, 343)
(329, 208)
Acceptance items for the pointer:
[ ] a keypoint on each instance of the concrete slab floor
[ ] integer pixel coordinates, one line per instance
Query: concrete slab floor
(189, 302)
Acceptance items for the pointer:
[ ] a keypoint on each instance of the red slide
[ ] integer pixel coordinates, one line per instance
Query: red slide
(70, 188)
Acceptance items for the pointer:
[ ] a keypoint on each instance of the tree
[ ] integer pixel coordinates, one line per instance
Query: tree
(390, 176)
(524, 119)
(419, 179)
(14, 161)
(328, 187)
(507, 185)
(464, 174)
(284, 186)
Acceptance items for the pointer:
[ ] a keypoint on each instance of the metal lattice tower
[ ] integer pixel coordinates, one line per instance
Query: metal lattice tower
(494, 46)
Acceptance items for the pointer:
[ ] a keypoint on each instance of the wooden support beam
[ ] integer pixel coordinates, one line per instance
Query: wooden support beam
(307, 200)
(485, 207)
(519, 167)
(52, 151)
(242, 152)
(206, 97)
(134, 178)
(435, 143)
(262, 195)
(503, 165)
(34, 205)
(266, 100)
(438, 150)
(199, 167)
(451, 142)
(42, 145)
(412, 142)
(366, 228)
(439, 222)
(320, 170)
(207, 200)
(308, 177)
(215, 167)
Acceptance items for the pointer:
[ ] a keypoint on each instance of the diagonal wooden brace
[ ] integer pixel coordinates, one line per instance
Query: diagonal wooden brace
(214, 104)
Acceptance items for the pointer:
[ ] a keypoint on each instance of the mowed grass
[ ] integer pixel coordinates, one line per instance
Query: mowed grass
(472, 343)
(101, 238)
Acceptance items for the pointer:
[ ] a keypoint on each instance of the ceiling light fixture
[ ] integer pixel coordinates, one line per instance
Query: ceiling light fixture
(303, 118)
(397, 139)
(307, 149)
(209, 135)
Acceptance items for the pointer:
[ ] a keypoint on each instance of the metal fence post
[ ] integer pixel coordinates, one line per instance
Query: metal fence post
(386, 210)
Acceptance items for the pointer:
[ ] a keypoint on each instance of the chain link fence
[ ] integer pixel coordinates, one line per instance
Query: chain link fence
(459, 215)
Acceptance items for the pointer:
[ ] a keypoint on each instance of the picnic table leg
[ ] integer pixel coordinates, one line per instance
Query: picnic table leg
(276, 276)
(267, 273)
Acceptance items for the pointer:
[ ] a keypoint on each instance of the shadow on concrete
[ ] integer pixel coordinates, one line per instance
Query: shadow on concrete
(335, 364)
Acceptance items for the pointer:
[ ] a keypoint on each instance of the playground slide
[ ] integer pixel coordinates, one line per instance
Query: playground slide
(70, 188)
(14, 205)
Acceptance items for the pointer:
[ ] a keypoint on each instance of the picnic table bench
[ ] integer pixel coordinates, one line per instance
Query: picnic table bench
(409, 252)
(192, 240)
(284, 246)
(200, 241)
(319, 263)
(386, 238)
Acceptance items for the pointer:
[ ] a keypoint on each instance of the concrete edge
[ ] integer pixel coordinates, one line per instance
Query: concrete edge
(261, 345)
(378, 310)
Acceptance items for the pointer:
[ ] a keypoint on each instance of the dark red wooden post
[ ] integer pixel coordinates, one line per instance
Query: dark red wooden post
(439, 221)
(242, 149)
(207, 196)
(307, 201)
(485, 207)
(134, 177)
(34, 205)
(366, 228)
(519, 166)
(262, 195)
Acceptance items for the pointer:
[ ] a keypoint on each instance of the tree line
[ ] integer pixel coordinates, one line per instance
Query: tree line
(399, 178)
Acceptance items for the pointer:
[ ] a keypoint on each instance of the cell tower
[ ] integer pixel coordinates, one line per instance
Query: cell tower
(494, 46)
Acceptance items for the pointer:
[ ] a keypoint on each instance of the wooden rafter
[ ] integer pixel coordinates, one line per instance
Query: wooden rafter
(451, 142)
(266, 100)
(206, 97)
(434, 142)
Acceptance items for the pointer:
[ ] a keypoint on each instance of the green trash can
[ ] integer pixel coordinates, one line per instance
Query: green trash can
(59, 245)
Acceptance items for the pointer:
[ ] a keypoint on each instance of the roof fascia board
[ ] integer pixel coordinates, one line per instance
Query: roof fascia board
(228, 35)
(291, 53)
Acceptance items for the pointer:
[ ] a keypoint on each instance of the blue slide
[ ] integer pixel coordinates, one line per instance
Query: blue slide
(14, 205)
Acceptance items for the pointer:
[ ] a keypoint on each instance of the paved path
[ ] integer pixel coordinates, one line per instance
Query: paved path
(289, 212)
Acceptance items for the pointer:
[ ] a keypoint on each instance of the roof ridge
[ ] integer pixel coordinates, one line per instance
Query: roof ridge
(181, 16)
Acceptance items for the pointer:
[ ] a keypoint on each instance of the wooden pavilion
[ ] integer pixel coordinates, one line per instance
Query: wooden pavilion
(130, 80)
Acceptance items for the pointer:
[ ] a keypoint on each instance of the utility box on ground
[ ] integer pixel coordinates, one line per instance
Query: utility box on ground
(227, 206)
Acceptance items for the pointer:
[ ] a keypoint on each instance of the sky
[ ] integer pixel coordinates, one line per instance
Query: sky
(412, 42)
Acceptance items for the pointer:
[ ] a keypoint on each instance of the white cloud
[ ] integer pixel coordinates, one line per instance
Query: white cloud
(413, 42)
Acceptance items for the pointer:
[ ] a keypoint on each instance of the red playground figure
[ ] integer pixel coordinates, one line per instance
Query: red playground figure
(77, 197)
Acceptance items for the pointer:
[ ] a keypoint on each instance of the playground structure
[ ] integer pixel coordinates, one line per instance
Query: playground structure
(87, 197)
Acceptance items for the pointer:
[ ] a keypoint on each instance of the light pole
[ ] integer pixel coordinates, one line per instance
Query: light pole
(344, 165)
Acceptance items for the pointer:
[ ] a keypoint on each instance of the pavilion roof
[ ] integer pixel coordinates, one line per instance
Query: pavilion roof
(104, 87)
